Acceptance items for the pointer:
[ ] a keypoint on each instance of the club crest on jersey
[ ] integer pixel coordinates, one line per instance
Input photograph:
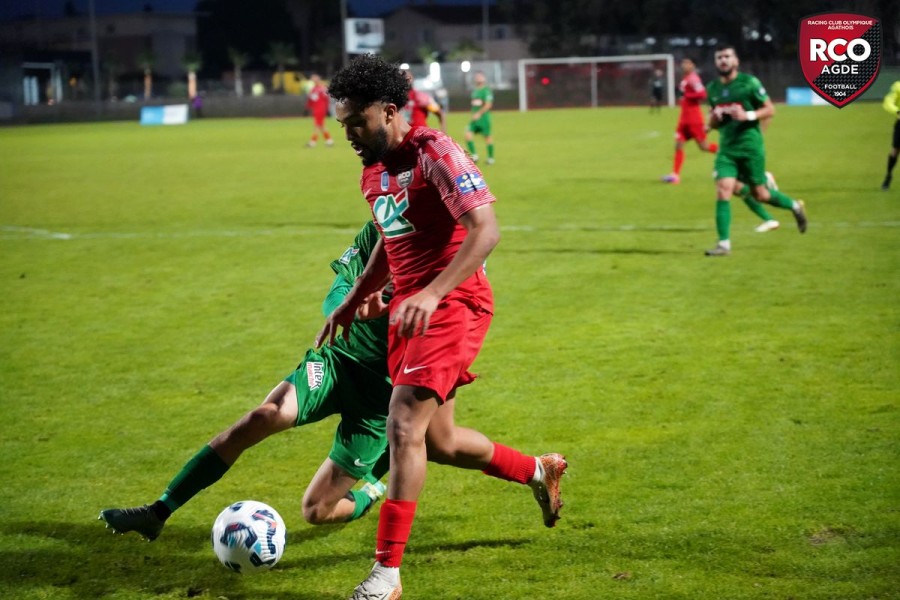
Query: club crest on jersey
(469, 182)
(840, 55)
(348, 255)
(404, 178)
(385, 181)
(315, 374)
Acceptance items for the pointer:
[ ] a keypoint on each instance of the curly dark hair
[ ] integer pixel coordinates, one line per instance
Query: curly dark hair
(369, 79)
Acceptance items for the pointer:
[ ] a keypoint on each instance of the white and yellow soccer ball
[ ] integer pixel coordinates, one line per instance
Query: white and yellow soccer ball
(249, 536)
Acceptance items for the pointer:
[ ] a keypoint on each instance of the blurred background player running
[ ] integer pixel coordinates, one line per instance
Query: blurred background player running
(317, 104)
(420, 105)
(691, 123)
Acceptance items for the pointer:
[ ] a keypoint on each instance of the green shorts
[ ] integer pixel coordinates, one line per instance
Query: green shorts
(749, 168)
(328, 383)
(481, 126)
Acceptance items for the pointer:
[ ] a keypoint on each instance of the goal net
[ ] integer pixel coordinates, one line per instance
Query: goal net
(594, 81)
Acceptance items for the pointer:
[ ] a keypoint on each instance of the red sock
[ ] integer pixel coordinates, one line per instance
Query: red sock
(327, 136)
(510, 464)
(679, 160)
(394, 524)
(714, 148)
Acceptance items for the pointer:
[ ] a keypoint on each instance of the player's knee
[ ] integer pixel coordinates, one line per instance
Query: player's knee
(315, 512)
(402, 433)
(761, 193)
(265, 418)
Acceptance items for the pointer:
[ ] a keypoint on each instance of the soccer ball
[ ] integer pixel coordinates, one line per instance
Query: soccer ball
(248, 536)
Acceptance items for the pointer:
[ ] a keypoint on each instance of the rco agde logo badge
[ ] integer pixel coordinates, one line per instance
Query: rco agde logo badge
(840, 54)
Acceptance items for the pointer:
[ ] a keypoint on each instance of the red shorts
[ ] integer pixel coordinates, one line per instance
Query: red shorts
(319, 118)
(440, 359)
(690, 131)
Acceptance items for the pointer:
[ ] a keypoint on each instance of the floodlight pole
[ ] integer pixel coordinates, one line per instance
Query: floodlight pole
(485, 24)
(95, 54)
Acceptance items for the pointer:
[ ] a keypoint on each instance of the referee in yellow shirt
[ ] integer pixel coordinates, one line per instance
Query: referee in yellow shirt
(892, 105)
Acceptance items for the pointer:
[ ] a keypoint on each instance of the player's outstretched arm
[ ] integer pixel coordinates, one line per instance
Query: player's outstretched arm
(373, 278)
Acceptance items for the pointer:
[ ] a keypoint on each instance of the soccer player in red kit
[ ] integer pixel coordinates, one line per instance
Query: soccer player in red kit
(317, 105)
(436, 217)
(691, 122)
(420, 104)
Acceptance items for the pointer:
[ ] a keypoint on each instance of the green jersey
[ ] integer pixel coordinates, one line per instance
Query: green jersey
(368, 339)
(480, 97)
(737, 137)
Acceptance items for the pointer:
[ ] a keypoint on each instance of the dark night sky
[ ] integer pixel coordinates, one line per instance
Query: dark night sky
(10, 9)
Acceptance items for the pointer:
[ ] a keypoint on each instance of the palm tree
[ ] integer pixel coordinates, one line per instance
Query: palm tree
(146, 60)
(465, 50)
(192, 62)
(281, 54)
(239, 60)
(427, 54)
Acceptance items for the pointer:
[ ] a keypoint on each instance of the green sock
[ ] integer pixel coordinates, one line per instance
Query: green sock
(490, 149)
(744, 191)
(781, 200)
(471, 147)
(723, 219)
(362, 504)
(757, 207)
(203, 470)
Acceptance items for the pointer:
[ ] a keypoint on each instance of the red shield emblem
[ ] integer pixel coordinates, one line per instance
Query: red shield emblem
(840, 54)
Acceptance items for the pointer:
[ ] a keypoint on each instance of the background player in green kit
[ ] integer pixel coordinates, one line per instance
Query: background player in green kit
(348, 378)
(482, 102)
(738, 103)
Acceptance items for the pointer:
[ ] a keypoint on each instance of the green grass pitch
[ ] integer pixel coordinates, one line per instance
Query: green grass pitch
(731, 423)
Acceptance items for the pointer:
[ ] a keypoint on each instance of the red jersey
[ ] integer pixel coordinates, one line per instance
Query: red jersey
(693, 93)
(417, 194)
(418, 105)
(317, 100)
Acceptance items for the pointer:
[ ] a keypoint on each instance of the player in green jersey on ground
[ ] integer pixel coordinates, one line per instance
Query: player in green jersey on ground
(738, 102)
(482, 102)
(348, 378)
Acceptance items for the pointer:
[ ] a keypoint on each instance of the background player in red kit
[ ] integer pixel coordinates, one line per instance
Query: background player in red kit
(438, 226)
(420, 105)
(317, 104)
(691, 123)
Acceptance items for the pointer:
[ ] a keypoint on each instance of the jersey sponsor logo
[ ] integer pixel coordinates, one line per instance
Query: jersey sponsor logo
(840, 54)
(388, 211)
(469, 182)
(404, 178)
(348, 255)
(315, 374)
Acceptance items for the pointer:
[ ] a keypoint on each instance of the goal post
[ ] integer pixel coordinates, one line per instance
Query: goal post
(592, 81)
